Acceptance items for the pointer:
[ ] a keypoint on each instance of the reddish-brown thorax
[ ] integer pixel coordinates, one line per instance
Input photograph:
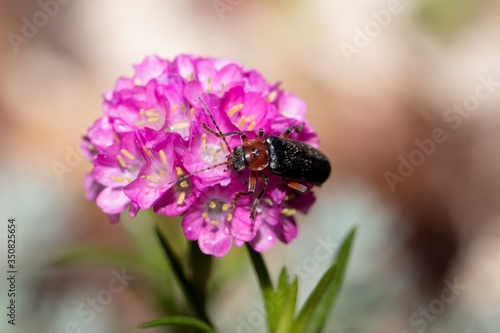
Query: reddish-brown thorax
(256, 155)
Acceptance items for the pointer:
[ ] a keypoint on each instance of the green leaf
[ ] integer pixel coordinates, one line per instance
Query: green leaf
(276, 301)
(266, 286)
(179, 321)
(314, 299)
(319, 305)
(279, 300)
(287, 311)
(187, 287)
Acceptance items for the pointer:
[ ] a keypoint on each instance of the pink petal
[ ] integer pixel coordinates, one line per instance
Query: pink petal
(112, 200)
(215, 241)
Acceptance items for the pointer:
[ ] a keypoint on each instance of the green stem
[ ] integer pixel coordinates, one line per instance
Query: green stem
(266, 285)
(187, 287)
(201, 267)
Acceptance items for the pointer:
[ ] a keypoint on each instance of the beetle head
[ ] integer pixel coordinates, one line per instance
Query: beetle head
(237, 159)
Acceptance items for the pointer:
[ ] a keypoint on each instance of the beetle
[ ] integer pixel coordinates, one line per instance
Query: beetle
(289, 159)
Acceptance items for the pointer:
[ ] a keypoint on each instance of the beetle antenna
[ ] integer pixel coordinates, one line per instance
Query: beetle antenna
(199, 171)
(216, 126)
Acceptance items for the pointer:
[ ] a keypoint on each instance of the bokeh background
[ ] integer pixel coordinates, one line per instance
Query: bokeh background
(369, 97)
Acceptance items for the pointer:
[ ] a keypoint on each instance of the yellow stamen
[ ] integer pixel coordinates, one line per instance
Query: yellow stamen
(209, 86)
(225, 207)
(288, 211)
(174, 108)
(128, 180)
(152, 178)
(142, 112)
(268, 201)
(179, 126)
(222, 86)
(235, 109)
(229, 217)
(116, 137)
(191, 112)
(243, 119)
(183, 108)
(118, 179)
(212, 204)
(163, 157)
(92, 148)
(163, 173)
(127, 154)
(147, 151)
(152, 113)
(214, 222)
(121, 161)
(204, 215)
(132, 168)
(252, 125)
(204, 142)
(153, 119)
(184, 184)
(223, 147)
(179, 172)
(139, 123)
(272, 96)
(181, 198)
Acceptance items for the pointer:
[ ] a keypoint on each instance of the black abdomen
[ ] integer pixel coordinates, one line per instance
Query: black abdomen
(296, 160)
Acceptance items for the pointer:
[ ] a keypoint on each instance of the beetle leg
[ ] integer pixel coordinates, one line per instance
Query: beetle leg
(256, 201)
(252, 182)
(298, 187)
(290, 129)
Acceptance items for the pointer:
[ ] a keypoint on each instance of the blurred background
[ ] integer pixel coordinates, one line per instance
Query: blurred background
(404, 95)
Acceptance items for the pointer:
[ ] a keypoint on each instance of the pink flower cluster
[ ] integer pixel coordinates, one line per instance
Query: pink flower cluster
(151, 135)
